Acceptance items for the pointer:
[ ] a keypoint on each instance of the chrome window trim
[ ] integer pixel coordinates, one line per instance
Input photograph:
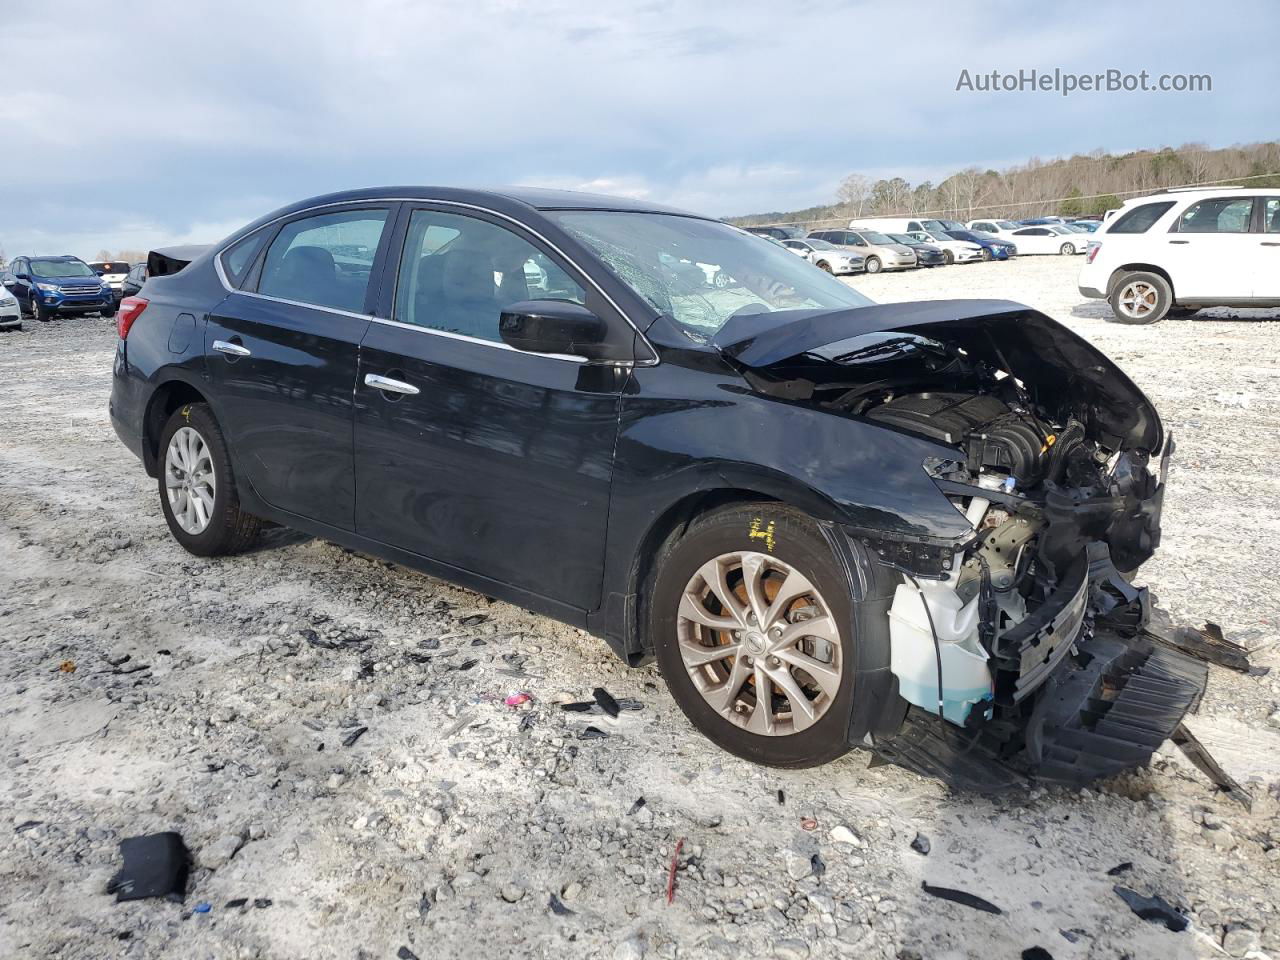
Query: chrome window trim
(492, 343)
(653, 361)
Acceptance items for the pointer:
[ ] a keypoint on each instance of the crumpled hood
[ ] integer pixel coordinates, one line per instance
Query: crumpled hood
(1048, 358)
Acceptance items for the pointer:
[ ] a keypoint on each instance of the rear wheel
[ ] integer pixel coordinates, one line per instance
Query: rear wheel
(197, 487)
(948, 256)
(750, 619)
(1067, 249)
(873, 265)
(1140, 297)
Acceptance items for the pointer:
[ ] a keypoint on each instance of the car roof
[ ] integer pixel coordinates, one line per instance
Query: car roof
(539, 198)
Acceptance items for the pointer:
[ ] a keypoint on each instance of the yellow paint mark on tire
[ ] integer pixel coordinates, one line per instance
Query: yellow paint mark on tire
(759, 532)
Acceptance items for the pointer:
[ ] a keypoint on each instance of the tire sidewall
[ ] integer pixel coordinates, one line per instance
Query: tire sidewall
(797, 542)
(872, 265)
(1164, 298)
(214, 538)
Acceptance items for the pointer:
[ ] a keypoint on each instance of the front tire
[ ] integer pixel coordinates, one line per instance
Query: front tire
(873, 265)
(38, 312)
(197, 487)
(751, 599)
(1140, 298)
(824, 266)
(986, 254)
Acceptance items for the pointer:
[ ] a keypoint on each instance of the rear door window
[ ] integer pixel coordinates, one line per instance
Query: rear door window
(1271, 215)
(324, 260)
(1218, 215)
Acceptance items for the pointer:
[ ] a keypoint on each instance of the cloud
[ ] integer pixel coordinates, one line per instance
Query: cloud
(181, 117)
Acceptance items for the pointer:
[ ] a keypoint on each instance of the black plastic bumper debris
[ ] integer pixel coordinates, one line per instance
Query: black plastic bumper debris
(154, 866)
(1104, 711)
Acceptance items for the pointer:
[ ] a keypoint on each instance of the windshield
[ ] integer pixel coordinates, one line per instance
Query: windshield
(701, 272)
(904, 238)
(1007, 225)
(821, 245)
(110, 266)
(942, 226)
(877, 238)
(60, 268)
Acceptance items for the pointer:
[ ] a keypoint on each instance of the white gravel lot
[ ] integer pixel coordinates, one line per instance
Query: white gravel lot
(446, 829)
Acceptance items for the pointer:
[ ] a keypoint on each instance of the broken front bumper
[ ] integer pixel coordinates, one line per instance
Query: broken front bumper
(1104, 711)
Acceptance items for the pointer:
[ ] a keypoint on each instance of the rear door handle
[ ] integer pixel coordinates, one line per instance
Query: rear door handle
(388, 385)
(232, 349)
(1180, 241)
(1270, 243)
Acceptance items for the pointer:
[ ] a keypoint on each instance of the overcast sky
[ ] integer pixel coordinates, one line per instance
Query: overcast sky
(127, 125)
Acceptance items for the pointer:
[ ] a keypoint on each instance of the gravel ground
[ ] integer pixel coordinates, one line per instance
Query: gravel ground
(219, 699)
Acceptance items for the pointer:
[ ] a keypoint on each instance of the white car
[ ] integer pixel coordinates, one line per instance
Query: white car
(827, 256)
(1171, 253)
(10, 312)
(1000, 229)
(112, 273)
(1049, 238)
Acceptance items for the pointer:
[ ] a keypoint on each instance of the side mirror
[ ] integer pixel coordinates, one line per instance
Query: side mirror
(129, 288)
(23, 276)
(553, 326)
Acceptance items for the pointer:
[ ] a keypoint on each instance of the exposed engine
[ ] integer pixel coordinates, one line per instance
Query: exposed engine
(1025, 632)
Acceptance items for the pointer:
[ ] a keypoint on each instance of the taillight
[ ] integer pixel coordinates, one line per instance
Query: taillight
(130, 310)
(1092, 252)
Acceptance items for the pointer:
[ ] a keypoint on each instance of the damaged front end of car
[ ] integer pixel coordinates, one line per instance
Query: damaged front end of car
(1019, 648)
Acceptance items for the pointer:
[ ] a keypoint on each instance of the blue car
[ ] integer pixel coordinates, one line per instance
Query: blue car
(992, 249)
(48, 286)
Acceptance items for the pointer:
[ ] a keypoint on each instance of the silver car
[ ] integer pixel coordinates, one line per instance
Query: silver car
(827, 256)
(878, 251)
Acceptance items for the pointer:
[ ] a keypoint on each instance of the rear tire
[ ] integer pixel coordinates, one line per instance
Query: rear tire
(1067, 249)
(784, 543)
(1140, 298)
(948, 256)
(218, 527)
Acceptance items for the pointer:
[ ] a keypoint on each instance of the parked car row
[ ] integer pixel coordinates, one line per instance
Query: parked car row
(888, 243)
(45, 287)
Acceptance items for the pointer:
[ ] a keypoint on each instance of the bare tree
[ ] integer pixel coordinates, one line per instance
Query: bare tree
(854, 192)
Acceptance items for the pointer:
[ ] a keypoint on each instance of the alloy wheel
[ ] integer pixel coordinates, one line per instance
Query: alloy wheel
(1138, 299)
(190, 481)
(759, 643)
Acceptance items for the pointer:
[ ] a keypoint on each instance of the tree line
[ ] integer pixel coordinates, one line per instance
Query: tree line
(1074, 186)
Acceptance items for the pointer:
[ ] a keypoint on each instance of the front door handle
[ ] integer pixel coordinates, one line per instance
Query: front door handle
(1180, 241)
(389, 385)
(1270, 243)
(232, 349)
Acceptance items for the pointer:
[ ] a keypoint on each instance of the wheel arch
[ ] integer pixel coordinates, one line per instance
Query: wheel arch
(1121, 270)
(165, 399)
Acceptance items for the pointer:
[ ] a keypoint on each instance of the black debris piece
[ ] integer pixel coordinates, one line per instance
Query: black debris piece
(581, 707)
(26, 825)
(1194, 751)
(162, 652)
(526, 722)
(262, 903)
(636, 807)
(312, 723)
(1155, 909)
(606, 701)
(431, 643)
(117, 661)
(592, 733)
(477, 642)
(467, 664)
(155, 865)
(921, 844)
(1073, 935)
(404, 953)
(1206, 643)
(125, 671)
(473, 619)
(1120, 868)
(424, 907)
(558, 908)
(236, 904)
(315, 640)
(962, 898)
(1036, 953)
(366, 670)
(782, 797)
(354, 735)
(819, 868)
(627, 704)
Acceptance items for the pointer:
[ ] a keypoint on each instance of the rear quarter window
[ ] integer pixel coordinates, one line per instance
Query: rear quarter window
(1140, 219)
(239, 257)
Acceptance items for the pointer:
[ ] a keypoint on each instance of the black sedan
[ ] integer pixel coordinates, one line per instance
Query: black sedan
(927, 255)
(833, 523)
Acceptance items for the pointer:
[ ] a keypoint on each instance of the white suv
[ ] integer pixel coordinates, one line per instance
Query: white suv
(1172, 253)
